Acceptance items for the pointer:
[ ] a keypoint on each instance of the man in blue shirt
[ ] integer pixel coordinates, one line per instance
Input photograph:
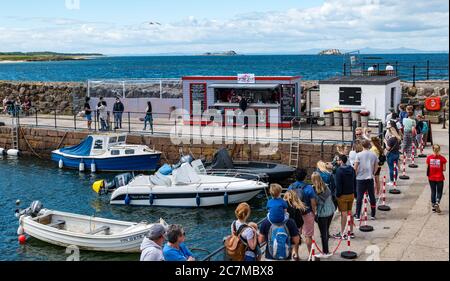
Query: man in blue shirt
(175, 249)
(307, 195)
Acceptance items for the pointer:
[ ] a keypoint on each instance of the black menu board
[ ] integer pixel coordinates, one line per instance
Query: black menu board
(287, 102)
(198, 94)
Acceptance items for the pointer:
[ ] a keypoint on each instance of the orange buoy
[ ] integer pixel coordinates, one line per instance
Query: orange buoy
(22, 239)
(433, 103)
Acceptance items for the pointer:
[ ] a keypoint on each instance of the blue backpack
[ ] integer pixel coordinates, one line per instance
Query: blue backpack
(279, 244)
(425, 128)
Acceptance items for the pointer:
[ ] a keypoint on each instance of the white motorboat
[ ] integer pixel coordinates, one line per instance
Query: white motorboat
(186, 186)
(85, 232)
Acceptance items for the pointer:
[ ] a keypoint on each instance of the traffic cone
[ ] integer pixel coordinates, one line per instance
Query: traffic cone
(413, 163)
(395, 190)
(349, 255)
(365, 227)
(384, 207)
(404, 176)
(422, 146)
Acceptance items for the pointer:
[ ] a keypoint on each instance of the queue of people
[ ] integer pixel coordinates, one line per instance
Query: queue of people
(16, 106)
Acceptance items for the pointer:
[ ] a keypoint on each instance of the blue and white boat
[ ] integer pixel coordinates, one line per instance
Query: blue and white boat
(107, 153)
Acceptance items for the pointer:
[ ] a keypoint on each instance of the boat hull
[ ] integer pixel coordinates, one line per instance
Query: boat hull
(111, 164)
(187, 200)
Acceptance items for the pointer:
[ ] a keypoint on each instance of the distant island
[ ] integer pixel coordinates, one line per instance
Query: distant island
(228, 53)
(330, 52)
(43, 56)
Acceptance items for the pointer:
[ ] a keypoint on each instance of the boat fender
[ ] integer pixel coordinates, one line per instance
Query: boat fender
(151, 199)
(127, 199)
(2, 151)
(197, 200)
(93, 167)
(22, 239)
(225, 199)
(60, 164)
(20, 230)
(13, 152)
(81, 167)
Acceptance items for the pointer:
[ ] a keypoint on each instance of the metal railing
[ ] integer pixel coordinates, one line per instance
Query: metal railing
(307, 127)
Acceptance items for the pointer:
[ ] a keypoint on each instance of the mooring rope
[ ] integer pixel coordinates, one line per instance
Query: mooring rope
(62, 140)
(31, 148)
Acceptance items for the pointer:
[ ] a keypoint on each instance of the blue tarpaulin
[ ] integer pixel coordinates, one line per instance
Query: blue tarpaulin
(82, 149)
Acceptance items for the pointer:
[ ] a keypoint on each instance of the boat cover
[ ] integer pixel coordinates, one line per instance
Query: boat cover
(82, 149)
(222, 160)
(185, 175)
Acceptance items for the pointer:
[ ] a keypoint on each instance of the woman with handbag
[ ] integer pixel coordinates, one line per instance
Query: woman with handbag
(393, 143)
(379, 152)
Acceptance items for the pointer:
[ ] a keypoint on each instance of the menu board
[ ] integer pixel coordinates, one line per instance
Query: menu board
(287, 102)
(198, 96)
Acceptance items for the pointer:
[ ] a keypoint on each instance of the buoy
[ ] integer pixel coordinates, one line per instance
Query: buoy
(127, 199)
(13, 152)
(225, 199)
(93, 167)
(81, 167)
(197, 200)
(151, 199)
(22, 239)
(60, 163)
(2, 151)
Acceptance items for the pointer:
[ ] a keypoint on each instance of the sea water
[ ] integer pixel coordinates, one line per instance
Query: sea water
(31, 179)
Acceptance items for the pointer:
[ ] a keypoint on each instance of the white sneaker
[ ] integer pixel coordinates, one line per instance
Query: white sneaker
(323, 256)
(390, 183)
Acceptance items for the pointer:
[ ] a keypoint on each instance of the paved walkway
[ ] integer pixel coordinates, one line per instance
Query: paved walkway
(410, 231)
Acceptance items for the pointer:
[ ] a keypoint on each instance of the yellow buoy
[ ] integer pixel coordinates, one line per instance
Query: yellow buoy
(98, 186)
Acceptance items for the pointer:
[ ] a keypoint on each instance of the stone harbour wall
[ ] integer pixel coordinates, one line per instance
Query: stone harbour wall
(43, 141)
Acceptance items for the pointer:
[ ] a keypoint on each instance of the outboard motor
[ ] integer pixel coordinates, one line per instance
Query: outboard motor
(33, 211)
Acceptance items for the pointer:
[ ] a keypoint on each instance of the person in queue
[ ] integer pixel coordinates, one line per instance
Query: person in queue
(248, 232)
(378, 150)
(88, 112)
(296, 210)
(325, 212)
(307, 195)
(276, 206)
(357, 148)
(151, 246)
(345, 193)
(359, 133)
(366, 164)
(175, 249)
(118, 110)
(409, 134)
(436, 167)
(393, 142)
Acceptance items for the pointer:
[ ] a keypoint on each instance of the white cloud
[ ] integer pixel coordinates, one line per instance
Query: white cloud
(335, 24)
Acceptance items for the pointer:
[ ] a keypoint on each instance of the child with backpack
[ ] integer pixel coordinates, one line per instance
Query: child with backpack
(242, 244)
(276, 206)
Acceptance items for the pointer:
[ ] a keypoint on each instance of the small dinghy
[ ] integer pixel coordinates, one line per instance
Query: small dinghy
(85, 232)
(272, 172)
(108, 153)
(186, 186)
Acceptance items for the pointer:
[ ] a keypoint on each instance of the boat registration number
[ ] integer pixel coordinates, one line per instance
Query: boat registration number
(132, 238)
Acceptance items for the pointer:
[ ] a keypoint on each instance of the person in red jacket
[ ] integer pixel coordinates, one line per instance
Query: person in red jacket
(436, 166)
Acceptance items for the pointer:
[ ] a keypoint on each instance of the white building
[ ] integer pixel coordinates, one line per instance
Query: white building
(377, 94)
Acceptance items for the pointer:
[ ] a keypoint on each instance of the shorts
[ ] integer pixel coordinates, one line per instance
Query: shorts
(308, 225)
(345, 202)
(89, 117)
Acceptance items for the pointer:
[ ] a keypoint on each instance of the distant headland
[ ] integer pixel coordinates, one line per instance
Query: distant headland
(228, 53)
(43, 56)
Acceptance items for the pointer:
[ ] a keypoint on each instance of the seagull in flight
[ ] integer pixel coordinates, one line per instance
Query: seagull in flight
(154, 23)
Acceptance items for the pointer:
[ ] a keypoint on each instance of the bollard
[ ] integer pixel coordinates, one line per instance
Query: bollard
(365, 227)
(404, 176)
(395, 190)
(413, 163)
(422, 146)
(384, 207)
(349, 255)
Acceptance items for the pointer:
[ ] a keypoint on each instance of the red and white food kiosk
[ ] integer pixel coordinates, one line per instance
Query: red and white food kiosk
(274, 99)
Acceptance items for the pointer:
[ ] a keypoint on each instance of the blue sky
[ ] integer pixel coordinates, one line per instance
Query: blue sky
(197, 26)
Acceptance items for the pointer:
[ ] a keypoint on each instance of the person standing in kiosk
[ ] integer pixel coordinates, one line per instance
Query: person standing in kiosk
(243, 106)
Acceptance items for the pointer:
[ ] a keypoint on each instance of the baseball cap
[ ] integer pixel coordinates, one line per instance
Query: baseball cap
(155, 231)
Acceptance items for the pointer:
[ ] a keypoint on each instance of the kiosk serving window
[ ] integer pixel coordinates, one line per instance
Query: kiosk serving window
(198, 96)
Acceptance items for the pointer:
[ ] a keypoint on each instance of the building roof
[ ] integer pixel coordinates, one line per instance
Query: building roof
(361, 80)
